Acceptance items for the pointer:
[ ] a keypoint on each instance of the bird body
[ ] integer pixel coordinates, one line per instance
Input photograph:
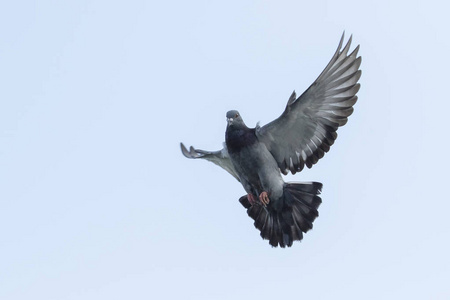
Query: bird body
(252, 160)
(300, 137)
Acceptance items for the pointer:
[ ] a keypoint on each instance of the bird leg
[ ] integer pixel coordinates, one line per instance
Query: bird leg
(251, 198)
(264, 198)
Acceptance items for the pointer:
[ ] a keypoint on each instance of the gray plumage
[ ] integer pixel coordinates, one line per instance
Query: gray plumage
(300, 136)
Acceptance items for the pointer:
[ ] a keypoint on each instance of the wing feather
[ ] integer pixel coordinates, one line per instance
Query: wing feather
(307, 128)
(220, 158)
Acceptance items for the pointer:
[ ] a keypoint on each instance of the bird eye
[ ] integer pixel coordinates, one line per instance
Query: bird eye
(237, 115)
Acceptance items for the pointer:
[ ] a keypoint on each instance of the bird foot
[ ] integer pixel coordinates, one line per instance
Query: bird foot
(264, 198)
(251, 198)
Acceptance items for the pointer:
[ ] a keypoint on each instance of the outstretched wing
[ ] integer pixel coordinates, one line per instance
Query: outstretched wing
(220, 158)
(307, 127)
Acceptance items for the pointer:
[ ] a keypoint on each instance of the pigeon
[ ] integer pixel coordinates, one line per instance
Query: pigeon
(256, 157)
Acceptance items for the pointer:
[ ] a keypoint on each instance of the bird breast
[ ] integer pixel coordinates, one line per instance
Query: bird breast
(238, 139)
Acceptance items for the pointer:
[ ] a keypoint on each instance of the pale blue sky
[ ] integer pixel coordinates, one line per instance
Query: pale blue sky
(97, 202)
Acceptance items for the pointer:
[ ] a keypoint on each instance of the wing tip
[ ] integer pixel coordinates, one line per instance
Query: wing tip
(191, 153)
(184, 150)
(341, 42)
(292, 98)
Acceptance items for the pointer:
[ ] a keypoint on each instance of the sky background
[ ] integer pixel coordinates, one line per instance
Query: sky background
(97, 202)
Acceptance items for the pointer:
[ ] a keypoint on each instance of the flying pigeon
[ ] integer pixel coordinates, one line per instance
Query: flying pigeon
(301, 136)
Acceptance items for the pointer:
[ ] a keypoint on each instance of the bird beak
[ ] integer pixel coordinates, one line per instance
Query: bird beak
(229, 120)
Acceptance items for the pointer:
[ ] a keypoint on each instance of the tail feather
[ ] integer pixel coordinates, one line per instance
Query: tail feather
(260, 220)
(254, 211)
(306, 197)
(306, 187)
(277, 233)
(298, 211)
(244, 201)
(287, 216)
(267, 227)
(307, 211)
(302, 221)
(297, 233)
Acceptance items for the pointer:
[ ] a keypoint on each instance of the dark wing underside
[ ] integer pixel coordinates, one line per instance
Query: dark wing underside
(307, 127)
(220, 158)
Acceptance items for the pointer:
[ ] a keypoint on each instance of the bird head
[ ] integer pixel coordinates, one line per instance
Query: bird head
(234, 118)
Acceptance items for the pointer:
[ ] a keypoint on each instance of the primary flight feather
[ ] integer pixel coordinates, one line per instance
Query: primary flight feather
(301, 136)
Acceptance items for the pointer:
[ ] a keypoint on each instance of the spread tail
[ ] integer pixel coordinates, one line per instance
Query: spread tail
(285, 223)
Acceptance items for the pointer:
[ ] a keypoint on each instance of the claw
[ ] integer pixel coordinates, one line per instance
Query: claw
(251, 198)
(264, 198)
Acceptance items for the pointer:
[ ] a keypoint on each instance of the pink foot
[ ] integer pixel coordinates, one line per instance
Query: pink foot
(264, 198)
(251, 198)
